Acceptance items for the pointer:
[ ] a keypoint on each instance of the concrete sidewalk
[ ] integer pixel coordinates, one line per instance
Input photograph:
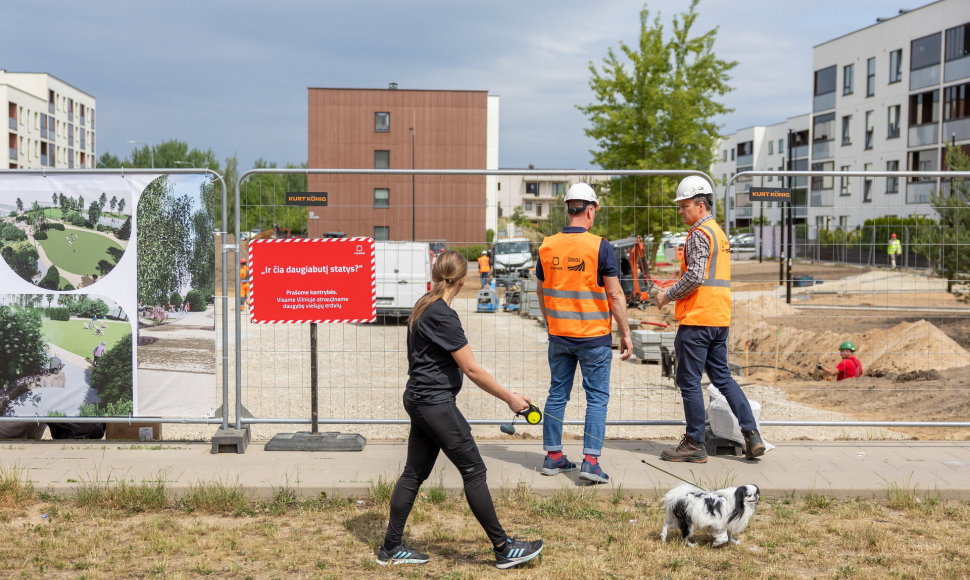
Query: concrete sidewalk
(835, 469)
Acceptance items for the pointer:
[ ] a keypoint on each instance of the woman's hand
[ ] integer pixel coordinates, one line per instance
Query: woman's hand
(518, 403)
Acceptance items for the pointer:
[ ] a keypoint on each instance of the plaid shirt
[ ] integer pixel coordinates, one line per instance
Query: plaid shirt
(696, 252)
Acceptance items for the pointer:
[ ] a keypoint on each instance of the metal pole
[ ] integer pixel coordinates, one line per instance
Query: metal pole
(414, 233)
(790, 252)
(761, 235)
(314, 399)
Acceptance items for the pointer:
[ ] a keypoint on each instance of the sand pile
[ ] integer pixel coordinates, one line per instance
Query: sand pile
(904, 348)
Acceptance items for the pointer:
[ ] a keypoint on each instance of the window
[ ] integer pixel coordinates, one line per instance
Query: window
(924, 160)
(825, 81)
(892, 128)
(896, 66)
(725, 155)
(923, 108)
(848, 71)
(528, 206)
(824, 127)
(892, 183)
(925, 52)
(957, 42)
(382, 159)
(382, 197)
(382, 233)
(955, 104)
(820, 182)
(771, 147)
(844, 182)
(558, 189)
(871, 77)
(382, 122)
(867, 185)
(745, 149)
(846, 130)
(870, 130)
(732, 153)
(781, 145)
(532, 188)
(843, 222)
(538, 209)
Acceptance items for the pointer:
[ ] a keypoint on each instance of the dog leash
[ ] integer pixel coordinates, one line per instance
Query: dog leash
(533, 416)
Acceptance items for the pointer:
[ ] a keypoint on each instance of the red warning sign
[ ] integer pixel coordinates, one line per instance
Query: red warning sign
(312, 280)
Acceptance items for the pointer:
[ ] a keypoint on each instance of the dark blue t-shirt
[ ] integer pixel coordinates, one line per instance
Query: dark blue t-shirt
(606, 266)
(433, 375)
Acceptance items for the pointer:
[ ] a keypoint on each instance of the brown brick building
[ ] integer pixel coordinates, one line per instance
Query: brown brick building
(401, 129)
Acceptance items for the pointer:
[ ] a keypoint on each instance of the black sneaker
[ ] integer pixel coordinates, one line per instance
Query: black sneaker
(753, 445)
(516, 552)
(400, 555)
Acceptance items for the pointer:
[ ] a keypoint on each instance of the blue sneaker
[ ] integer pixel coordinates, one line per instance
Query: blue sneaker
(402, 554)
(593, 473)
(550, 467)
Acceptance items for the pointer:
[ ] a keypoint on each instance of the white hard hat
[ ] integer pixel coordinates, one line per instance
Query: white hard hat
(582, 192)
(692, 186)
(484, 252)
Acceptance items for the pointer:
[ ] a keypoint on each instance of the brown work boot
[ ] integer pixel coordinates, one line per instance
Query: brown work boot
(688, 450)
(753, 445)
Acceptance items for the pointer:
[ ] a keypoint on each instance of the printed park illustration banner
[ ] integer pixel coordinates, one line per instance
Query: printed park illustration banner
(106, 295)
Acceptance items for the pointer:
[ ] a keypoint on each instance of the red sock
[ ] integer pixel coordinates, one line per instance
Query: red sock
(592, 459)
(554, 455)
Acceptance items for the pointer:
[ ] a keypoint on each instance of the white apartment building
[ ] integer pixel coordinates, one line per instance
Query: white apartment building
(534, 194)
(888, 97)
(50, 124)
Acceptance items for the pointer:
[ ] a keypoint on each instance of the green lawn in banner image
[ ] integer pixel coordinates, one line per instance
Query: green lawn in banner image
(82, 256)
(73, 337)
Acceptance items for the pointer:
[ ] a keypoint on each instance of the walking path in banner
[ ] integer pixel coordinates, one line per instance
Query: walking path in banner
(831, 468)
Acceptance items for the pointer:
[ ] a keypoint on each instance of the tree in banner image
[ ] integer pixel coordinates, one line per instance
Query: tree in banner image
(23, 348)
(655, 108)
(112, 377)
(163, 241)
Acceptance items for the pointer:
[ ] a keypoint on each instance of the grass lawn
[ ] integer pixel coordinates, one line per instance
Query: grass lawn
(83, 255)
(72, 336)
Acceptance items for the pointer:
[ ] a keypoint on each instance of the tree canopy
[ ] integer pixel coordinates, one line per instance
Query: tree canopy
(655, 105)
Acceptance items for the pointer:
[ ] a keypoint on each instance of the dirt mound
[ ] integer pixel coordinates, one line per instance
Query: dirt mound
(904, 348)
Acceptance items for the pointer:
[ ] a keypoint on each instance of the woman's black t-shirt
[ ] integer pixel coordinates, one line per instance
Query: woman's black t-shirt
(434, 376)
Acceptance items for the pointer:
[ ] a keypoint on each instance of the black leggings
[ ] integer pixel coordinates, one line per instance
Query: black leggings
(437, 428)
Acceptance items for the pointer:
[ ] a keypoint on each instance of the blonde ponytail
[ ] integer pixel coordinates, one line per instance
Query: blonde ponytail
(448, 269)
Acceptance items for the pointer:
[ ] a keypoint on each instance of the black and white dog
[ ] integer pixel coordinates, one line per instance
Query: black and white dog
(723, 513)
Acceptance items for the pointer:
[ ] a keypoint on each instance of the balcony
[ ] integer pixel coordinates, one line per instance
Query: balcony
(926, 134)
(745, 160)
(924, 77)
(821, 150)
(957, 69)
(958, 129)
(823, 198)
(12, 123)
(12, 153)
(824, 102)
(799, 152)
(919, 192)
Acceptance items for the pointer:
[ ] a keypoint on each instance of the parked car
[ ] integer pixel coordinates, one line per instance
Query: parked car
(743, 241)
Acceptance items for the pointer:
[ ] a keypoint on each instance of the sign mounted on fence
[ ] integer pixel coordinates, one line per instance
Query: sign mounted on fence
(770, 194)
(312, 280)
(306, 199)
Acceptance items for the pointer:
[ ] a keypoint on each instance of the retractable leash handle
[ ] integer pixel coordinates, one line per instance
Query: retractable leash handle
(532, 415)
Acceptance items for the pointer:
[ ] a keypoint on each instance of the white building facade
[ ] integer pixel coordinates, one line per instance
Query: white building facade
(50, 124)
(888, 97)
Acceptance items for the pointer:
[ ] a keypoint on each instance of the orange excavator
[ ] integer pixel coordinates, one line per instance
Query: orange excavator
(644, 286)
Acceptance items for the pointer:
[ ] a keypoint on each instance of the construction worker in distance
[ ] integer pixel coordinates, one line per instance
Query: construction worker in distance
(703, 296)
(484, 267)
(243, 283)
(894, 249)
(579, 294)
(848, 368)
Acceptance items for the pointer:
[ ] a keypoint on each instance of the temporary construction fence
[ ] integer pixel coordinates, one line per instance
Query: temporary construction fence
(361, 368)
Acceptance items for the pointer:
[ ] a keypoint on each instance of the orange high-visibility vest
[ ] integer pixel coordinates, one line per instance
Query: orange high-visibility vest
(483, 266)
(710, 303)
(576, 305)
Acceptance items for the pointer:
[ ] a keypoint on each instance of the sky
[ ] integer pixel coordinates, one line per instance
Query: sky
(232, 75)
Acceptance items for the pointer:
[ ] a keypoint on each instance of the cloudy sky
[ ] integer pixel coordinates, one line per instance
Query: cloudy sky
(232, 75)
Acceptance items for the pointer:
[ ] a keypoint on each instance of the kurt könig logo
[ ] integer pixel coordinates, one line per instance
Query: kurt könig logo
(580, 267)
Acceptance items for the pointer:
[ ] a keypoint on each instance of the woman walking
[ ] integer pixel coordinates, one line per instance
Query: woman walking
(438, 354)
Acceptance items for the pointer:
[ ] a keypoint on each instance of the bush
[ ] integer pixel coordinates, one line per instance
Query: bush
(472, 252)
(55, 226)
(196, 301)
(41, 235)
(112, 377)
(175, 299)
(59, 313)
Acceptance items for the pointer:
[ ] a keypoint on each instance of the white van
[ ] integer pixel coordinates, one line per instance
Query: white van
(403, 274)
(510, 256)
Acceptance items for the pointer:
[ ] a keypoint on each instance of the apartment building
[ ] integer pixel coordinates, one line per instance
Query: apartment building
(50, 124)
(535, 194)
(888, 97)
(404, 129)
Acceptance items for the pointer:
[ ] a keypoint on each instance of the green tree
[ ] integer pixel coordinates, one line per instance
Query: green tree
(94, 213)
(163, 241)
(113, 203)
(948, 246)
(23, 348)
(20, 205)
(124, 232)
(121, 206)
(112, 378)
(108, 161)
(51, 280)
(655, 108)
(22, 259)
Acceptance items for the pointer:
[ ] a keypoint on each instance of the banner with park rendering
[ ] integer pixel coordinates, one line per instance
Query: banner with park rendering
(106, 295)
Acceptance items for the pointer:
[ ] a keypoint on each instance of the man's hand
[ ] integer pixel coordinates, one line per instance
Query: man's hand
(626, 347)
(661, 299)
